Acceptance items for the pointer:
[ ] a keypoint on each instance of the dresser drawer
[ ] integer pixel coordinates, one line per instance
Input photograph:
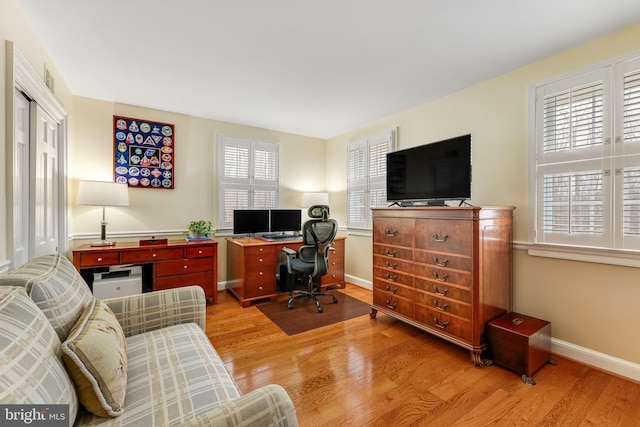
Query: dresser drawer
(258, 251)
(97, 259)
(444, 236)
(442, 322)
(204, 280)
(394, 289)
(182, 266)
(442, 260)
(258, 284)
(442, 275)
(392, 276)
(393, 252)
(443, 290)
(199, 251)
(394, 231)
(392, 264)
(151, 255)
(445, 305)
(402, 306)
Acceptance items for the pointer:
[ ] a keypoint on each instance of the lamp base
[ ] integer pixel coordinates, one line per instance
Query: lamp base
(103, 243)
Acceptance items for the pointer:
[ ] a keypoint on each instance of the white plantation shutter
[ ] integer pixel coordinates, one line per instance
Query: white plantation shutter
(248, 176)
(587, 158)
(366, 177)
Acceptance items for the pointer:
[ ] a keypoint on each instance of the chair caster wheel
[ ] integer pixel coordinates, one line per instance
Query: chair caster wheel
(320, 309)
(289, 306)
(335, 300)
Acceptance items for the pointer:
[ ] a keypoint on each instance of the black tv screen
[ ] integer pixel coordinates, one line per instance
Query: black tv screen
(436, 171)
(286, 220)
(250, 221)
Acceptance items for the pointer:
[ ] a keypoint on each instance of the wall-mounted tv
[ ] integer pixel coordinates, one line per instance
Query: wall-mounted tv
(436, 172)
(250, 221)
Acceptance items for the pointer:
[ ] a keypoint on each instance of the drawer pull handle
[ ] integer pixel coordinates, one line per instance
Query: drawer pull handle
(392, 278)
(391, 291)
(392, 254)
(154, 255)
(438, 278)
(99, 259)
(392, 233)
(440, 264)
(260, 260)
(392, 266)
(444, 324)
(260, 273)
(443, 239)
(444, 306)
(185, 266)
(392, 306)
(200, 252)
(443, 293)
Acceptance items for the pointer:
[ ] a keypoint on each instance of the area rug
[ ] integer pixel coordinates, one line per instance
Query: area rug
(304, 315)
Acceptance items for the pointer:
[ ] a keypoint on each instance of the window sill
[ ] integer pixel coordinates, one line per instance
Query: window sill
(627, 258)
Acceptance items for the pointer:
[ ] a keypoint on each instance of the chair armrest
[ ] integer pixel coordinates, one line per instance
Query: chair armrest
(159, 309)
(289, 251)
(265, 407)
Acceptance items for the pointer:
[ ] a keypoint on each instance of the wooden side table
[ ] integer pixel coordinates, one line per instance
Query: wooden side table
(520, 343)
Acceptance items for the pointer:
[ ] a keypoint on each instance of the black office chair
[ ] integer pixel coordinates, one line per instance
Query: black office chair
(312, 259)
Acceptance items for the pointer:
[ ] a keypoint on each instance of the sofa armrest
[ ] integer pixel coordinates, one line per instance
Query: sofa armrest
(265, 407)
(159, 309)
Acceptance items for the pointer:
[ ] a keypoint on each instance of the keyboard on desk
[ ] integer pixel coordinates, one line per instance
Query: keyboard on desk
(272, 237)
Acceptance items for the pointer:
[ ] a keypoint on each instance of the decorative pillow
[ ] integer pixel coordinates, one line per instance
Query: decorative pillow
(96, 359)
(31, 371)
(55, 286)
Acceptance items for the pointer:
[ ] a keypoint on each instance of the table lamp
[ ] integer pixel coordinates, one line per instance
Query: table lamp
(102, 193)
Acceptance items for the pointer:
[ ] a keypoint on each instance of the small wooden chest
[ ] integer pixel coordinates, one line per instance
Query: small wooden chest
(520, 343)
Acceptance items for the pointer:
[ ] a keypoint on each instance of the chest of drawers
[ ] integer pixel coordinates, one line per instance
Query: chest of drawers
(447, 271)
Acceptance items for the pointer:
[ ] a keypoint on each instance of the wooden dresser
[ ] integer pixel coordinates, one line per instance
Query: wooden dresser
(252, 264)
(447, 271)
(178, 263)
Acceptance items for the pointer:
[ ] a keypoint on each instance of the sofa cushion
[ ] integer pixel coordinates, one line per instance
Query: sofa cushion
(174, 375)
(31, 371)
(56, 287)
(95, 357)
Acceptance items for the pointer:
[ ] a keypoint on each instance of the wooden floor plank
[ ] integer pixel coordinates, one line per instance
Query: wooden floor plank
(383, 372)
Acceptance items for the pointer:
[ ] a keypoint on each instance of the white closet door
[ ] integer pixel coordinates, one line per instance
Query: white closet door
(45, 183)
(21, 179)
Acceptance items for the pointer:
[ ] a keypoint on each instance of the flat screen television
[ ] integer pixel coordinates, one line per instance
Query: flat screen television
(250, 221)
(285, 220)
(433, 172)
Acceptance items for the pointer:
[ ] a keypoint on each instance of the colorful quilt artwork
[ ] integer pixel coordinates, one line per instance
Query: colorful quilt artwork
(144, 152)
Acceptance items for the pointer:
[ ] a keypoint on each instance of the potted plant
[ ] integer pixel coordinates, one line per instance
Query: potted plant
(200, 229)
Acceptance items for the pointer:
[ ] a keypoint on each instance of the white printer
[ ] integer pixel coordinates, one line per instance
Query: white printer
(120, 280)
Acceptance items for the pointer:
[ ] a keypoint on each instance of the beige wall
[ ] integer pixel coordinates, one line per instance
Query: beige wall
(16, 29)
(590, 305)
(167, 212)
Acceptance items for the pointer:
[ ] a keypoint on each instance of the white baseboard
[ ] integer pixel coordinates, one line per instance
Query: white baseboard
(596, 359)
(358, 281)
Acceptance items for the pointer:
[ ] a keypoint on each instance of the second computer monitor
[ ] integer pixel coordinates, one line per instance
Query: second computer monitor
(250, 221)
(285, 220)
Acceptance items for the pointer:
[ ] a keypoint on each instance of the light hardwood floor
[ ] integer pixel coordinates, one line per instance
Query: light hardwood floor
(382, 372)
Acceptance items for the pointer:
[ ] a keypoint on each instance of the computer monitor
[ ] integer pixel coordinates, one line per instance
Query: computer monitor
(285, 220)
(250, 221)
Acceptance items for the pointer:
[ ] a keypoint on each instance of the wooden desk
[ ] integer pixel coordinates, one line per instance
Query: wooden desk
(252, 267)
(176, 264)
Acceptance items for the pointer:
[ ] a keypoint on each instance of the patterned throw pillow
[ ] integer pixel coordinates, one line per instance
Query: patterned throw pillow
(96, 359)
(55, 285)
(31, 371)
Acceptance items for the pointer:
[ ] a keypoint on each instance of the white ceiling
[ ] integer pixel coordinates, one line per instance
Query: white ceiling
(310, 67)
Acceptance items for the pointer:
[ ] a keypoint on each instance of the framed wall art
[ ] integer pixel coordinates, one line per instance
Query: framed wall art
(144, 152)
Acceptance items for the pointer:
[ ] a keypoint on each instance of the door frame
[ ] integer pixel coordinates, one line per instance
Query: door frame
(25, 79)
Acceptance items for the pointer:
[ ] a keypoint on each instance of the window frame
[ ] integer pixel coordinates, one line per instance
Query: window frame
(373, 181)
(613, 155)
(268, 185)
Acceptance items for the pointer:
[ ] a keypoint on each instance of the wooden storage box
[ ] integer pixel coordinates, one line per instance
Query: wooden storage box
(520, 343)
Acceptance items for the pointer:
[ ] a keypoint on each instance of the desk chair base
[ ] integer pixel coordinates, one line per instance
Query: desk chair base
(309, 293)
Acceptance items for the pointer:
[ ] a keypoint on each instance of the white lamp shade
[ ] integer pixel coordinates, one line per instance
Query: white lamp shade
(102, 193)
(312, 199)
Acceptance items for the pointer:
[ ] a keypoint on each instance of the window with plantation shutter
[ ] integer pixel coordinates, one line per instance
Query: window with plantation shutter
(248, 176)
(586, 164)
(366, 177)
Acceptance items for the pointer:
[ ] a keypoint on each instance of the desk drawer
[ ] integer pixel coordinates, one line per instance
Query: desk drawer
(151, 255)
(182, 266)
(199, 252)
(97, 259)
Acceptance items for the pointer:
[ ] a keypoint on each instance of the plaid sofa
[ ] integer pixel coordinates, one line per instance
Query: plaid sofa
(174, 375)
